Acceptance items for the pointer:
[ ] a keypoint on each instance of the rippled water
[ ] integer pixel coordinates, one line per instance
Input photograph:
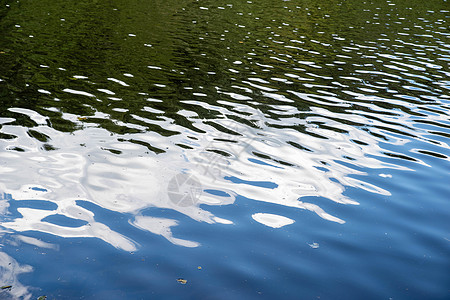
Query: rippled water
(224, 150)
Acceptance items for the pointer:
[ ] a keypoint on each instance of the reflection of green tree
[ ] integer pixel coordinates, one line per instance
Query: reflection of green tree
(57, 40)
(194, 48)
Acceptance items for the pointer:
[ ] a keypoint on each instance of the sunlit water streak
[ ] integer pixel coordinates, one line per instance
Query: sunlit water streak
(245, 105)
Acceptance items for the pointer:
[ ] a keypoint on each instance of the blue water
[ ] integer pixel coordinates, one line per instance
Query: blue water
(224, 150)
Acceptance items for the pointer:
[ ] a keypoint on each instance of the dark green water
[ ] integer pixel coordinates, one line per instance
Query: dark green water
(256, 149)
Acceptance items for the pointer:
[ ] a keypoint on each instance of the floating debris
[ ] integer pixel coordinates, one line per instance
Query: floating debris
(314, 245)
(182, 281)
(42, 298)
(5, 287)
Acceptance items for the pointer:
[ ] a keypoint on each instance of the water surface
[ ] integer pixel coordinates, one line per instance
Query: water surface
(224, 150)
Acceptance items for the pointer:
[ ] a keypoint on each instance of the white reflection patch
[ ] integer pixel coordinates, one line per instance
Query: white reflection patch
(161, 226)
(10, 269)
(259, 163)
(271, 220)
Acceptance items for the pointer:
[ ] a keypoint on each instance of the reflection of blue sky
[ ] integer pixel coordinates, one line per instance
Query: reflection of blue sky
(10, 269)
(134, 180)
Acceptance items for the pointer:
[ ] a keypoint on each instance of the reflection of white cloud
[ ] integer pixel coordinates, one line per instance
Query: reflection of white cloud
(262, 165)
(35, 242)
(271, 220)
(123, 184)
(161, 227)
(32, 221)
(9, 271)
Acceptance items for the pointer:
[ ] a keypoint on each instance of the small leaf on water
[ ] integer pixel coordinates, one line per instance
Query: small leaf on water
(182, 281)
(42, 298)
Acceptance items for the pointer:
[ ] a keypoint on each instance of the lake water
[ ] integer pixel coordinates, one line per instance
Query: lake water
(225, 149)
